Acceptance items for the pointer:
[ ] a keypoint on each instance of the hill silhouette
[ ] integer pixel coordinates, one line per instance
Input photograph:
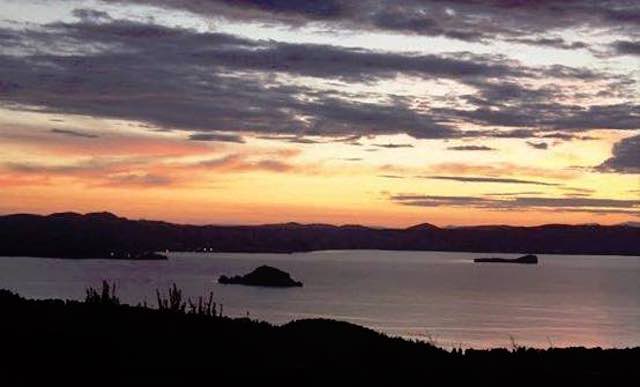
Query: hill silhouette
(105, 235)
(101, 342)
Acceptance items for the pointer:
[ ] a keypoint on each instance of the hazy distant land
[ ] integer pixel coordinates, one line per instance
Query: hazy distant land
(105, 235)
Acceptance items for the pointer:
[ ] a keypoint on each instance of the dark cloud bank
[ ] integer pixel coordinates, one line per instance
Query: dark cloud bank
(625, 159)
(527, 22)
(207, 83)
(178, 78)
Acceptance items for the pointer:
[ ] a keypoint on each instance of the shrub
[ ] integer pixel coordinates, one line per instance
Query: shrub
(107, 296)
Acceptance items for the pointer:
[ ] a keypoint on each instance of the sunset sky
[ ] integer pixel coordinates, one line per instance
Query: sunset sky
(371, 112)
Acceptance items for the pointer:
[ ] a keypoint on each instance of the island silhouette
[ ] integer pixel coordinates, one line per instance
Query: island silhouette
(264, 275)
(528, 259)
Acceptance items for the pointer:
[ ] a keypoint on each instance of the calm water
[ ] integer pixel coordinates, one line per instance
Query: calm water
(565, 300)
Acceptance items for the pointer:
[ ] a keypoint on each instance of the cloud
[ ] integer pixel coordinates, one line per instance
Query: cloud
(304, 140)
(577, 195)
(625, 47)
(391, 176)
(148, 72)
(392, 146)
(626, 157)
(270, 165)
(137, 180)
(538, 145)
(109, 144)
(579, 190)
(575, 202)
(95, 171)
(221, 162)
(8, 180)
(296, 139)
(471, 148)
(149, 171)
(242, 162)
(604, 212)
(220, 137)
(566, 136)
(497, 170)
(570, 204)
(556, 42)
(471, 179)
(104, 67)
(91, 15)
(74, 133)
(92, 167)
(438, 201)
(294, 12)
(551, 116)
(514, 193)
(467, 20)
(494, 133)
(220, 49)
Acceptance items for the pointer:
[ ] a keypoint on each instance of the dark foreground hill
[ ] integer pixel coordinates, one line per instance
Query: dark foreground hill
(104, 235)
(99, 342)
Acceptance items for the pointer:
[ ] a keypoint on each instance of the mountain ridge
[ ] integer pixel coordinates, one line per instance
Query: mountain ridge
(104, 234)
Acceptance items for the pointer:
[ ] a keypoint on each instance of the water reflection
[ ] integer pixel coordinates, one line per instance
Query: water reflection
(441, 297)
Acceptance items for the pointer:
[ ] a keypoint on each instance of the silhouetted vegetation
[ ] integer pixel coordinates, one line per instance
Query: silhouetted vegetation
(182, 343)
(175, 303)
(106, 296)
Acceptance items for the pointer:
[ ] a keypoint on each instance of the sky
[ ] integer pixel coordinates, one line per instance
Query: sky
(381, 113)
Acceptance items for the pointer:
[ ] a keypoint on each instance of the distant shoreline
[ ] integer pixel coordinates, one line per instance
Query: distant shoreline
(94, 235)
(471, 254)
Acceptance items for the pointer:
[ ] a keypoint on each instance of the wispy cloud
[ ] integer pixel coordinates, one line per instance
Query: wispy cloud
(137, 180)
(221, 137)
(476, 179)
(74, 133)
(525, 193)
(392, 146)
(522, 203)
(498, 170)
(275, 161)
(578, 190)
(471, 148)
(538, 145)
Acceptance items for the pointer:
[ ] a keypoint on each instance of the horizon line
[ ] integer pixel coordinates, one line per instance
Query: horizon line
(180, 223)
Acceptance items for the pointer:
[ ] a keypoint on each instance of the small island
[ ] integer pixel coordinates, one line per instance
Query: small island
(525, 259)
(263, 276)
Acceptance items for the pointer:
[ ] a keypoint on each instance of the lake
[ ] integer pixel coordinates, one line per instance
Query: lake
(441, 297)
